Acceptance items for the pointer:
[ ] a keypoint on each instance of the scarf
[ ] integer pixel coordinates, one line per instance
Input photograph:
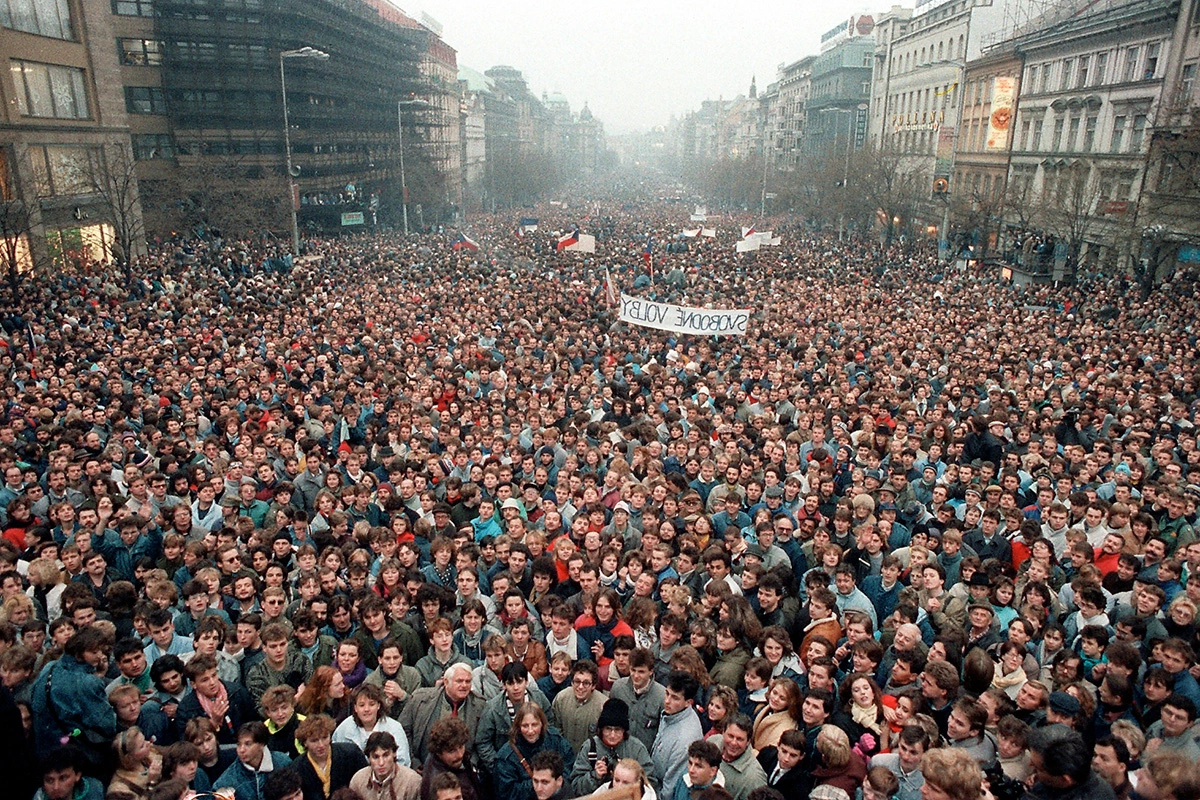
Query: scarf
(866, 716)
(356, 675)
(323, 775)
(1014, 678)
(208, 705)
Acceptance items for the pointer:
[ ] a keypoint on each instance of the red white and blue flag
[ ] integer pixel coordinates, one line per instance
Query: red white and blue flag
(568, 240)
(648, 252)
(462, 242)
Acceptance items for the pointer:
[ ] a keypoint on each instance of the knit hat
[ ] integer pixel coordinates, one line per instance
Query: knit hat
(614, 714)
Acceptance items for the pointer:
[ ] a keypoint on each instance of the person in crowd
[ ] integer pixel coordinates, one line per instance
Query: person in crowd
(448, 743)
(63, 777)
(428, 705)
(253, 765)
(612, 742)
(384, 777)
(530, 735)
(325, 766)
(368, 717)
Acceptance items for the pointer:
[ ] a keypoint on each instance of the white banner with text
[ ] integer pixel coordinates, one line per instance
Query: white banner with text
(682, 319)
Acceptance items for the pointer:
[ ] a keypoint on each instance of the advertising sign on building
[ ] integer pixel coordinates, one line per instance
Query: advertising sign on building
(1004, 90)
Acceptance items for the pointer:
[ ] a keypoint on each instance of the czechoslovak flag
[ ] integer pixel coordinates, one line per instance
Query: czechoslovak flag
(463, 242)
(568, 240)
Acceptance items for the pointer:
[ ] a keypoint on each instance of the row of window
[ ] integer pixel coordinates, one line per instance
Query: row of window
(1111, 185)
(921, 101)
(147, 147)
(983, 186)
(1130, 64)
(42, 17)
(949, 50)
(156, 100)
(234, 54)
(1127, 135)
(249, 11)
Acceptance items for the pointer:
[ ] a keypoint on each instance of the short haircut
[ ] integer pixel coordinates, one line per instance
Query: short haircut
(1063, 751)
(706, 750)
(547, 760)
(380, 740)
(256, 731)
(683, 683)
(318, 726)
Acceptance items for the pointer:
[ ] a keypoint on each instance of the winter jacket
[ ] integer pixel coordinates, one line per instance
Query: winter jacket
(645, 709)
(297, 670)
(241, 709)
(495, 725)
(247, 784)
(512, 778)
(404, 784)
(66, 697)
(743, 775)
(675, 733)
(583, 775)
(345, 760)
(427, 706)
(409, 680)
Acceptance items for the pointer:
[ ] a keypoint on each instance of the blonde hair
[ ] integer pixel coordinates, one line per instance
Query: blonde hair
(954, 771)
(1133, 736)
(834, 746)
(45, 572)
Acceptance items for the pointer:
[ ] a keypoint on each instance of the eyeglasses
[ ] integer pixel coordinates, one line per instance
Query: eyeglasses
(582, 682)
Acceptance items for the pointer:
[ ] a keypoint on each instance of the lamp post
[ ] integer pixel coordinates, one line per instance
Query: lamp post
(851, 117)
(303, 52)
(400, 106)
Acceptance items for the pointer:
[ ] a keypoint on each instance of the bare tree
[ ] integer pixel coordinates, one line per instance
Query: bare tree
(211, 194)
(112, 174)
(977, 211)
(888, 183)
(1167, 215)
(17, 220)
(1066, 207)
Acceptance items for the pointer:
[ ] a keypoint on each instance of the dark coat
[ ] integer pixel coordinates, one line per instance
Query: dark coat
(796, 782)
(512, 781)
(241, 709)
(345, 760)
(467, 778)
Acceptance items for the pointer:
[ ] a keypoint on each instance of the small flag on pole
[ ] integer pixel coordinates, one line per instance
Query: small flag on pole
(610, 288)
(462, 242)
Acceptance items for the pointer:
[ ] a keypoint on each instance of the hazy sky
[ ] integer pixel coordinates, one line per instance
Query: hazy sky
(635, 63)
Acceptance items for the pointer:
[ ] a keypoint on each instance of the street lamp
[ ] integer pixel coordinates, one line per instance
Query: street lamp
(400, 106)
(303, 52)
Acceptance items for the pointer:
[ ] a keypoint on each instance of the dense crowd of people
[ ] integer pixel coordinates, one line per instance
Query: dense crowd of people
(405, 521)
